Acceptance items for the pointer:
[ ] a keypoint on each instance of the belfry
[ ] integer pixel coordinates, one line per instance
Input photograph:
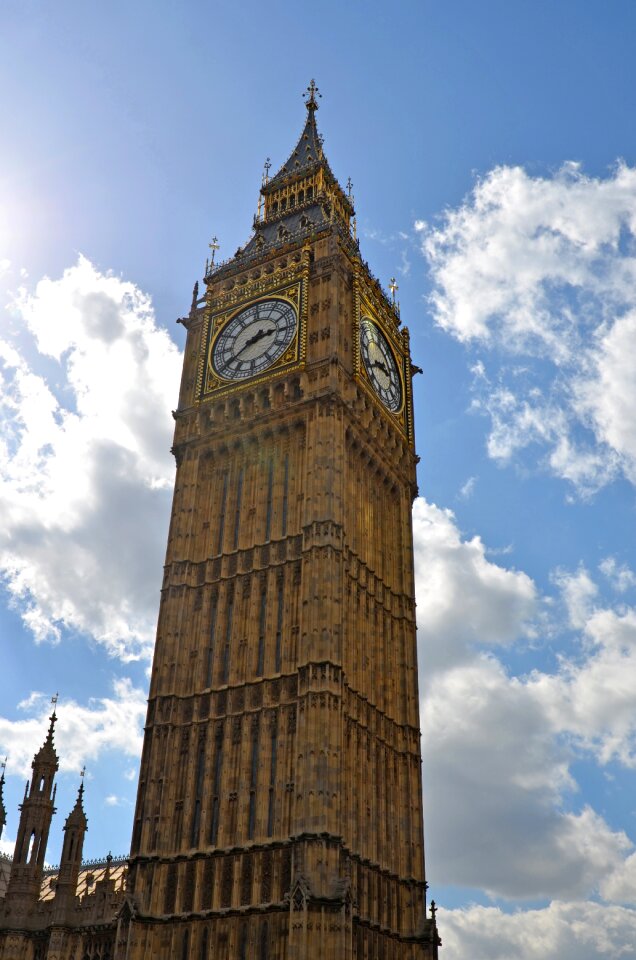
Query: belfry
(279, 813)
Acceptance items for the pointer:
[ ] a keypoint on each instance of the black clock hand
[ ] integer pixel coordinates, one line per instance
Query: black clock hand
(252, 340)
(381, 366)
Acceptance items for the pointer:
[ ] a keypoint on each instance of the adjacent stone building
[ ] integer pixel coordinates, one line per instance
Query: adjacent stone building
(64, 913)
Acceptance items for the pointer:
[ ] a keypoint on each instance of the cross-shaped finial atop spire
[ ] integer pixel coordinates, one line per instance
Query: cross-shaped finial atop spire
(54, 699)
(310, 96)
(266, 169)
(3, 765)
(393, 287)
(214, 246)
(83, 771)
(349, 186)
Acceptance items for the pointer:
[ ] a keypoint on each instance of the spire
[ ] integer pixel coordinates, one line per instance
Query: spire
(46, 753)
(3, 810)
(71, 859)
(77, 816)
(308, 151)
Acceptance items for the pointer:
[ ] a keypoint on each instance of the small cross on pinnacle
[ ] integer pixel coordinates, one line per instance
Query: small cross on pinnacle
(267, 168)
(83, 771)
(54, 700)
(310, 96)
(214, 246)
(3, 765)
(393, 287)
(349, 186)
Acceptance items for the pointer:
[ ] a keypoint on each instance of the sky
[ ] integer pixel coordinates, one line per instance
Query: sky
(492, 150)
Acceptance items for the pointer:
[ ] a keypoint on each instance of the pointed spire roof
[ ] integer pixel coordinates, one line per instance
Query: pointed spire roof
(77, 816)
(46, 753)
(308, 150)
(3, 809)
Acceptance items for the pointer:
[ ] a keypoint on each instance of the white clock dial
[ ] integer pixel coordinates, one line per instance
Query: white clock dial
(254, 339)
(380, 365)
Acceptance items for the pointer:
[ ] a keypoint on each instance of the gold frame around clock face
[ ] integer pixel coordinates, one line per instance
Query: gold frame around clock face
(253, 339)
(380, 365)
(212, 381)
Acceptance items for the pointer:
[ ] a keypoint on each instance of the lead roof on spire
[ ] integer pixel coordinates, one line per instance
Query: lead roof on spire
(47, 753)
(77, 814)
(3, 812)
(308, 150)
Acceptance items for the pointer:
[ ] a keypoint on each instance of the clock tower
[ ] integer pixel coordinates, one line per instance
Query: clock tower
(279, 812)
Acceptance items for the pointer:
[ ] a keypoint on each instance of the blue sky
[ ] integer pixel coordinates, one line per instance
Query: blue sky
(493, 153)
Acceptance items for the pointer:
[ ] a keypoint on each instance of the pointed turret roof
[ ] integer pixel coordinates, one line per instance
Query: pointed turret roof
(77, 816)
(3, 809)
(294, 211)
(47, 754)
(308, 151)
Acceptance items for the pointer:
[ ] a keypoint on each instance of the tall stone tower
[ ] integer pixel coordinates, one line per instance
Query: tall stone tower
(279, 813)
(36, 813)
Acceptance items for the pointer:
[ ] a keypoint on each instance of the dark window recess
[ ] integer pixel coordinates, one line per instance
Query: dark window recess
(219, 546)
(270, 487)
(272, 782)
(198, 795)
(170, 892)
(225, 666)
(253, 783)
(264, 946)
(243, 941)
(237, 514)
(260, 665)
(203, 952)
(285, 497)
(210, 660)
(216, 786)
(279, 626)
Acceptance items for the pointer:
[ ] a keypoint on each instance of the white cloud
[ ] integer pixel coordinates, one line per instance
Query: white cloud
(462, 597)
(83, 733)
(561, 931)
(620, 575)
(467, 489)
(544, 269)
(85, 469)
(7, 847)
(503, 813)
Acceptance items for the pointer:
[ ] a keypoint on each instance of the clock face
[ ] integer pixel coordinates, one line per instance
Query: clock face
(254, 339)
(379, 362)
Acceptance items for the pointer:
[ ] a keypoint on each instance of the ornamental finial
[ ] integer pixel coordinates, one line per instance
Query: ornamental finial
(310, 96)
(393, 287)
(214, 246)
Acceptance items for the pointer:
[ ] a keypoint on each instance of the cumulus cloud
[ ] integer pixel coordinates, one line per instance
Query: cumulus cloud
(561, 931)
(543, 271)
(503, 812)
(85, 469)
(462, 597)
(83, 732)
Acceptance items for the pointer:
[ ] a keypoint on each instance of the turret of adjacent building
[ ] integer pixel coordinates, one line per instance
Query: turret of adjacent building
(71, 861)
(36, 813)
(3, 809)
(56, 913)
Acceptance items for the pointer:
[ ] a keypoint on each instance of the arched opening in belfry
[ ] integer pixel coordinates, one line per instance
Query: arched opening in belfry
(32, 851)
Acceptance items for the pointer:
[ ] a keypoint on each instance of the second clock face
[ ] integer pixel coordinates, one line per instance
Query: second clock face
(254, 339)
(379, 363)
